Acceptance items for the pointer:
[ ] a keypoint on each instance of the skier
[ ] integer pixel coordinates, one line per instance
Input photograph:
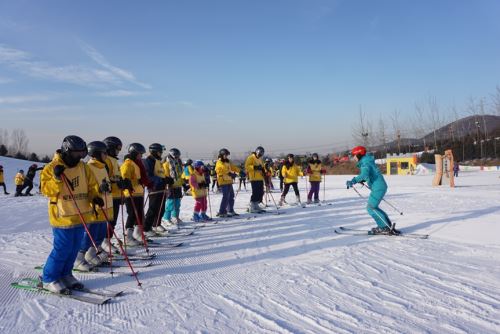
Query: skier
(71, 188)
(186, 174)
(314, 170)
(280, 176)
(456, 168)
(134, 196)
(113, 148)
(213, 175)
(269, 174)
(19, 182)
(2, 181)
(255, 171)
(30, 176)
(291, 172)
(226, 173)
(370, 174)
(88, 256)
(156, 173)
(173, 168)
(199, 191)
(243, 178)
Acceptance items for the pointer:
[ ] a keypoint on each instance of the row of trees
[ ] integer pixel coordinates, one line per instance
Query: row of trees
(15, 145)
(472, 138)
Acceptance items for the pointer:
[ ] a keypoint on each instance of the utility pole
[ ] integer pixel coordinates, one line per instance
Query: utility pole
(478, 140)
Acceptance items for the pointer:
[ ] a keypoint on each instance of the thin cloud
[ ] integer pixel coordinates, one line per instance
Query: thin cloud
(4, 80)
(24, 99)
(120, 93)
(119, 72)
(74, 74)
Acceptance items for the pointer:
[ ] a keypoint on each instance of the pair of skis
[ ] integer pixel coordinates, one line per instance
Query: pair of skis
(360, 232)
(92, 296)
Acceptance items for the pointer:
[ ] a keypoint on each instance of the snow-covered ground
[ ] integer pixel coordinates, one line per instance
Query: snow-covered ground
(286, 273)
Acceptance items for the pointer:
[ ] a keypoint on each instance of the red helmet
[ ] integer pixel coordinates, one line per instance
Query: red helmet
(358, 150)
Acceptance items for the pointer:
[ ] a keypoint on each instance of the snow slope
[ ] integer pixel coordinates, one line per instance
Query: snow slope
(287, 273)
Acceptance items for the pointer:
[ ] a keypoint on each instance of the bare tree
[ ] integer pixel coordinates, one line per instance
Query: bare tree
(396, 127)
(360, 130)
(19, 142)
(382, 134)
(435, 117)
(496, 101)
(419, 124)
(4, 137)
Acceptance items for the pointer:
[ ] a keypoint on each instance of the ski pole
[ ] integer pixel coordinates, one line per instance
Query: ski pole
(381, 218)
(324, 188)
(162, 205)
(108, 236)
(124, 253)
(209, 203)
(275, 205)
(386, 201)
(123, 223)
(66, 183)
(139, 223)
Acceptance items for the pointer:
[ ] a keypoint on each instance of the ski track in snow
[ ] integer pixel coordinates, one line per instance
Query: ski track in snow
(285, 273)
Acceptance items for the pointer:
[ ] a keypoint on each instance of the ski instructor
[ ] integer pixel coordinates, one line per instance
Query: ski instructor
(370, 174)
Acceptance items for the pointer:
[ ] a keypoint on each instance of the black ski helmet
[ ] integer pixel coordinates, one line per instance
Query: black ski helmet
(112, 143)
(175, 153)
(224, 151)
(259, 151)
(73, 143)
(136, 148)
(189, 162)
(290, 155)
(155, 147)
(315, 155)
(96, 148)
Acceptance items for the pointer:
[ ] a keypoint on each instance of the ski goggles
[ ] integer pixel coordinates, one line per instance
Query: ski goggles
(78, 154)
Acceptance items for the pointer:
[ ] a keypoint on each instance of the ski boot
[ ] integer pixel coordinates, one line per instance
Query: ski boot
(81, 264)
(72, 283)
(205, 217)
(55, 287)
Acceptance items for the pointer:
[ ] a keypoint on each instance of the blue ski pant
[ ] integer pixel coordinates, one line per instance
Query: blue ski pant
(227, 203)
(172, 208)
(379, 215)
(98, 231)
(65, 247)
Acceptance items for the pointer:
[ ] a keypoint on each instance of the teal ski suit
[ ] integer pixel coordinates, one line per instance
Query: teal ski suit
(370, 174)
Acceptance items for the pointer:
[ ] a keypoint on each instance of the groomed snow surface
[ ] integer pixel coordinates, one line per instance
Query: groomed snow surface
(286, 273)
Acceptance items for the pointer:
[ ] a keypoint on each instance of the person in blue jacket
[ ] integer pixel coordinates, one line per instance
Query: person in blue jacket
(370, 174)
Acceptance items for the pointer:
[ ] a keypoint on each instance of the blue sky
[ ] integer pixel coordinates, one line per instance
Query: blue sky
(201, 75)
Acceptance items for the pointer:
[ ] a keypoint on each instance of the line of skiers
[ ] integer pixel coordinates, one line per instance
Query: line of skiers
(84, 198)
(22, 181)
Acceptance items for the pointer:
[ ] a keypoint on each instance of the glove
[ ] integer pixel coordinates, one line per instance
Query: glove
(169, 180)
(98, 201)
(323, 171)
(257, 167)
(58, 171)
(124, 184)
(104, 187)
(349, 184)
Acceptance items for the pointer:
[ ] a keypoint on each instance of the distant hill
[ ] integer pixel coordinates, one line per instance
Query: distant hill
(467, 126)
(456, 130)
